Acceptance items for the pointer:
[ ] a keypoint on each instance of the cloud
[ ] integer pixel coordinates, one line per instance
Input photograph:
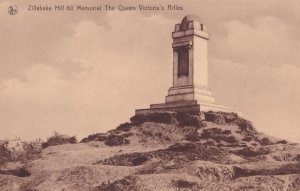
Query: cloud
(267, 95)
(267, 40)
(86, 73)
(92, 80)
(255, 69)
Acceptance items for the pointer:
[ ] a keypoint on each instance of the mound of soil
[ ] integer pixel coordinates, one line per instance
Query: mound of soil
(163, 151)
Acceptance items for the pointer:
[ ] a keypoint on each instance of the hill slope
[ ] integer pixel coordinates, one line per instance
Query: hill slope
(164, 151)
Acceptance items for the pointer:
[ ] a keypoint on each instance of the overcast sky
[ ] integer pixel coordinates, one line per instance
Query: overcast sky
(85, 72)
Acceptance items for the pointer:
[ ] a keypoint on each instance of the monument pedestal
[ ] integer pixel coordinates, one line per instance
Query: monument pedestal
(191, 107)
(189, 93)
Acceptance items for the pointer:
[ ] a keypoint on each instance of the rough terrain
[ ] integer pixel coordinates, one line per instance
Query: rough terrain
(163, 151)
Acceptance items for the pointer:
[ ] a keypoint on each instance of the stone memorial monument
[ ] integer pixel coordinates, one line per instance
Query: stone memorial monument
(190, 91)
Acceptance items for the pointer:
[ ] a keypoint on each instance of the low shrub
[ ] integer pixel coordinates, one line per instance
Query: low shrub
(94, 137)
(266, 141)
(247, 139)
(244, 124)
(158, 117)
(192, 137)
(58, 139)
(129, 159)
(17, 150)
(230, 139)
(184, 184)
(214, 117)
(252, 152)
(185, 119)
(19, 172)
(32, 150)
(5, 153)
(226, 132)
(282, 142)
(124, 127)
(228, 118)
(211, 133)
(115, 140)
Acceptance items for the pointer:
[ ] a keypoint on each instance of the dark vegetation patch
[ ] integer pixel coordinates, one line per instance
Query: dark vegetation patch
(95, 137)
(266, 141)
(19, 172)
(215, 117)
(194, 137)
(247, 139)
(130, 159)
(218, 135)
(148, 134)
(180, 152)
(297, 158)
(191, 152)
(5, 153)
(184, 184)
(252, 152)
(124, 126)
(211, 133)
(181, 120)
(229, 139)
(158, 117)
(282, 142)
(226, 132)
(229, 118)
(23, 151)
(293, 168)
(185, 119)
(126, 184)
(58, 139)
(115, 131)
(115, 140)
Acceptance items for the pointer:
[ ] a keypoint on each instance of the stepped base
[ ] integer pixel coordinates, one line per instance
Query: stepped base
(192, 107)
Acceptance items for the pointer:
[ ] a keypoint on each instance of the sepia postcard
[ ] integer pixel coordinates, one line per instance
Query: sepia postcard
(149, 95)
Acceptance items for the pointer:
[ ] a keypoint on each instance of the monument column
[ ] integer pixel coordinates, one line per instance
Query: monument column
(190, 54)
(190, 90)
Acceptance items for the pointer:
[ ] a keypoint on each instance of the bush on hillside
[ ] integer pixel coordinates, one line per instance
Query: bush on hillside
(218, 135)
(223, 118)
(115, 140)
(184, 184)
(266, 141)
(5, 153)
(158, 117)
(214, 117)
(185, 119)
(58, 139)
(94, 137)
(124, 127)
(17, 150)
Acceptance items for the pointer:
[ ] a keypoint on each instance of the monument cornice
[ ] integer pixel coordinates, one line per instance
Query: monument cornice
(190, 32)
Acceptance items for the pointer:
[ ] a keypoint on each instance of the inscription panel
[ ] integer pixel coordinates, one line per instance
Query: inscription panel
(183, 61)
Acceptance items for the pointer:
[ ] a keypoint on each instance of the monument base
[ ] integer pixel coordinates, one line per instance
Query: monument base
(191, 107)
